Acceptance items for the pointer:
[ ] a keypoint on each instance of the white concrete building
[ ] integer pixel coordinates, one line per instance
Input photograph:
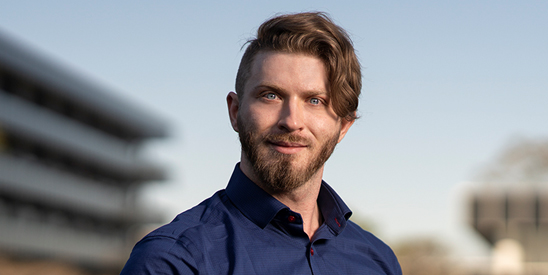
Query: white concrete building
(70, 163)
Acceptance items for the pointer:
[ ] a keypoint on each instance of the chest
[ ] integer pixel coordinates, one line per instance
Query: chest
(272, 251)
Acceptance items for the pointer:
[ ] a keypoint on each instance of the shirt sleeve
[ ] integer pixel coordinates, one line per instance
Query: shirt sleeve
(160, 255)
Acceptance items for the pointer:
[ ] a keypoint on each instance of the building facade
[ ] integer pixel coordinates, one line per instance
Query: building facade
(70, 164)
(514, 221)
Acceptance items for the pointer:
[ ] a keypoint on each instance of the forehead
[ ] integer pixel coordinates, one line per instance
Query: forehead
(291, 70)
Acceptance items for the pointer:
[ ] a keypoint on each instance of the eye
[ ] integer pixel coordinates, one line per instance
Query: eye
(270, 96)
(315, 101)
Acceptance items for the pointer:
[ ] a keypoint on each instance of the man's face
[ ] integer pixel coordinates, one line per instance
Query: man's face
(286, 124)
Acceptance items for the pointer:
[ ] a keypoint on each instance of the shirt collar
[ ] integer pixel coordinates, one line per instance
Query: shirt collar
(335, 212)
(255, 203)
(260, 207)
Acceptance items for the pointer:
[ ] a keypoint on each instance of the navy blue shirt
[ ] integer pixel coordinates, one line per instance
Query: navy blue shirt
(244, 230)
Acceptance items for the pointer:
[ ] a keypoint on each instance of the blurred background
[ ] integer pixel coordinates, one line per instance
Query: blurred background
(113, 120)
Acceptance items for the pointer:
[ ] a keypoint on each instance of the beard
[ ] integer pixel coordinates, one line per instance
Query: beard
(275, 170)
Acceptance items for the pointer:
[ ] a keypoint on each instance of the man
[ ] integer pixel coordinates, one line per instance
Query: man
(296, 97)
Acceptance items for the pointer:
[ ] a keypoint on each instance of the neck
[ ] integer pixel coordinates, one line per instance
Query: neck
(302, 200)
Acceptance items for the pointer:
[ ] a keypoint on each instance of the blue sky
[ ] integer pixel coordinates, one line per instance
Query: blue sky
(446, 85)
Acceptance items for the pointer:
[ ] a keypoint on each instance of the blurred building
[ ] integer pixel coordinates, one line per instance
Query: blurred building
(70, 164)
(514, 221)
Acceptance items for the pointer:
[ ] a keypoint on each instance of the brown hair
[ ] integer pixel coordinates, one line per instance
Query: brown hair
(315, 34)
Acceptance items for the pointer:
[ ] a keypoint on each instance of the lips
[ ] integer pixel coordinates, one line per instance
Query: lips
(288, 144)
(288, 147)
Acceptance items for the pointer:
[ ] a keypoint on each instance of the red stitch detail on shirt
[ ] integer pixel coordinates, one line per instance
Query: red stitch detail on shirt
(337, 222)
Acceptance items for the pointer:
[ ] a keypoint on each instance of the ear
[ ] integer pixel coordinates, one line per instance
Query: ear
(345, 126)
(233, 107)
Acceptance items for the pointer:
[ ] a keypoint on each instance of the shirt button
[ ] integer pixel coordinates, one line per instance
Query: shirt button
(312, 251)
(291, 218)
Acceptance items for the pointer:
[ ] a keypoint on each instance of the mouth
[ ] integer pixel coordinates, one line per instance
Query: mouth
(288, 148)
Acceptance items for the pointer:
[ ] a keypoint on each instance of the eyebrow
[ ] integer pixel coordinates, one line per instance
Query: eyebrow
(276, 88)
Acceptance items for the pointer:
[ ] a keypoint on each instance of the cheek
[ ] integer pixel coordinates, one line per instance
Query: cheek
(325, 129)
(261, 118)
(322, 120)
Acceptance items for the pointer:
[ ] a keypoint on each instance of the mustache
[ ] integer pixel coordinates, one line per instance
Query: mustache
(287, 137)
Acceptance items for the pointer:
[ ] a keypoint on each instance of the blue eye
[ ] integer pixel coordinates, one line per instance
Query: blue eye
(315, 101)
(270, 96)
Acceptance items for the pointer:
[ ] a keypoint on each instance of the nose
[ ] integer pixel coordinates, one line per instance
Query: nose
(291, 116)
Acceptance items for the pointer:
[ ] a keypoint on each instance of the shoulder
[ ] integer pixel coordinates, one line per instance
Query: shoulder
(179, 243)
(355, 232)
(209, 213)
(375, 248)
